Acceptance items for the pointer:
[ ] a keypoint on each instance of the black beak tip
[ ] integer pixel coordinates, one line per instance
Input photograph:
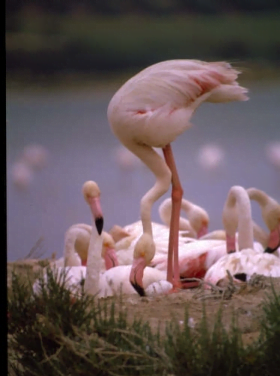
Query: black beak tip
(139, 289)
(269, 250)
(241, 276)
(99, 224)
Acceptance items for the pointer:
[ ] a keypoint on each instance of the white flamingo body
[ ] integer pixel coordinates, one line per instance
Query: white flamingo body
(195, 258)
(246, 261)
(75, 276)
(116, 280)
(197, 223)
(125, 247)
(237, 213)
(113, 281)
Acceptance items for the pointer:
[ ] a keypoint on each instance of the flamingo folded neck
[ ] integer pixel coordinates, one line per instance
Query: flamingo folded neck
(110, 258)
(230, 240)
(274, 240)
(136, 275)
(202, 231)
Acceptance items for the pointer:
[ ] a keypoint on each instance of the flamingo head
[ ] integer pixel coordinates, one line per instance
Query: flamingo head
(272, 220)
(108, 251)
(271, 215)
(199, 220)
(144, 252)
(118, 233)
(91, 194)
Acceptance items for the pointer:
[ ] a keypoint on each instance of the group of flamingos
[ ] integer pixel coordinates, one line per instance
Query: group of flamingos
(149, 111)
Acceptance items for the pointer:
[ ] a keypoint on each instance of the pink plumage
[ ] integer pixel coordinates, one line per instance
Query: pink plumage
(154, 107)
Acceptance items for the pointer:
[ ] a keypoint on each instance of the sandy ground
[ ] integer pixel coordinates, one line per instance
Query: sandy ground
(245, 302)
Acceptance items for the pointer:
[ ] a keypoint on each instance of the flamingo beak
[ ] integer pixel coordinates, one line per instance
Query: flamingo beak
(110, 258)
(136, 275)
(274, 240)
(203, 230)
(97, 214)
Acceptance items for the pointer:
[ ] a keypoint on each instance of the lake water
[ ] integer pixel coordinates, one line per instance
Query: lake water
(73, 126)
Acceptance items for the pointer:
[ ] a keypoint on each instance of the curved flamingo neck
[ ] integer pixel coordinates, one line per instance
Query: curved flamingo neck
(165, 215)
(237, 217)
(69, 244)
(186, 205)
(259, 196)
(163, 178)
(260, 235)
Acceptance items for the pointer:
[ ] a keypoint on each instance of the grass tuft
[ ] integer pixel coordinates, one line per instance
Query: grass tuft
(53, 334)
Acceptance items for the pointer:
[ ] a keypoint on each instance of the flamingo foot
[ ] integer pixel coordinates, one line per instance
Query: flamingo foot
(177, 286)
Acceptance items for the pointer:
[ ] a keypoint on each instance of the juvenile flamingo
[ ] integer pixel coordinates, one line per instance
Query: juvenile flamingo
(154, 107)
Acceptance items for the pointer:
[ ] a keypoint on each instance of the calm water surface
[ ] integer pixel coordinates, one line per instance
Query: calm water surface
(73, 126)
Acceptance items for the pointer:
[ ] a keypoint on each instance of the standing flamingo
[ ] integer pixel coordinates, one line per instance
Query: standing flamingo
(154, 107)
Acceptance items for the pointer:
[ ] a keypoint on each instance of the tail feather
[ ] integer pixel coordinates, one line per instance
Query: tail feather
(228, 93)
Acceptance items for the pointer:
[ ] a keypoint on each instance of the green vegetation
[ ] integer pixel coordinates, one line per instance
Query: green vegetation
(47, 44)
(54, 334)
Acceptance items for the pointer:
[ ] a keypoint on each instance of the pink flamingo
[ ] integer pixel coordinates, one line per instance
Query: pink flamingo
(243, 264)
(271, 215)
(76, 245)
(154, 107)
(197, 257)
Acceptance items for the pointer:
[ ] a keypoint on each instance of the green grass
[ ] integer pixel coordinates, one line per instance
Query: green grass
(48, 44)
(54, 334)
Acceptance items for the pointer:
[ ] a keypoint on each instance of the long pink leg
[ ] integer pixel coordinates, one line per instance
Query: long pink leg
(173, 274)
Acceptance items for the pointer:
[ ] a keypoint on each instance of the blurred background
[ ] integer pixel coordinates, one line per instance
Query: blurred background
(65, 60)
